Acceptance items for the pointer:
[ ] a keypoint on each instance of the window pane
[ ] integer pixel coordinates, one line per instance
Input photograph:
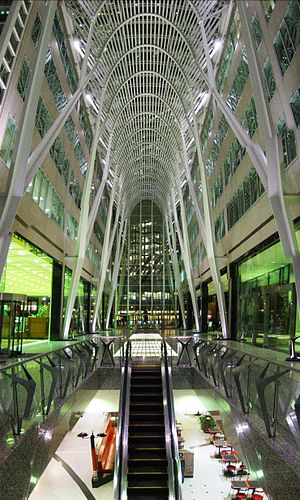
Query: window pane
(23, 81)
(9, 140)
(256, 30)
(269, 78)
(36, 30)
(295, 105)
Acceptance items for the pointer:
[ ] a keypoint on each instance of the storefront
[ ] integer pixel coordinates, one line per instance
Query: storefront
(27, 274)
(266, 314)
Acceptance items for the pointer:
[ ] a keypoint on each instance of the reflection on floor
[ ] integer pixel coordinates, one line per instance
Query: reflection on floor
(68, 474)
(146, 345)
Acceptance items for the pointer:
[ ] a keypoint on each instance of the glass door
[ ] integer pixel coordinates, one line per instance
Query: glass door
(12, 326)
(6, 326)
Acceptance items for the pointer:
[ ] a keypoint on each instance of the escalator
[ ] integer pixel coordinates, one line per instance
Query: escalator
(147, 465)
(147, 462)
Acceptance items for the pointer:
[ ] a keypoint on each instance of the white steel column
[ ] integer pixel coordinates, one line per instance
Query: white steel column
(82, 239)
(173, 253)
(117, 263)
(140, 264)
(164, 277)
(152, 259)
(128, 270)
(209, 238)
(274, 187)
(104, 258)
(16, 181)
(98, 197)
(185, 251)
(119, 290)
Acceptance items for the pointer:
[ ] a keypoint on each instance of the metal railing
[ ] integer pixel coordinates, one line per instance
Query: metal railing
(263, 389)
(33, 387)
(174, 465)
(120, 469)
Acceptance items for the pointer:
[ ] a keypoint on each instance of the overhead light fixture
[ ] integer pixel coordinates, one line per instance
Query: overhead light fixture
(217, 46)
(77, 45)
(89, 98)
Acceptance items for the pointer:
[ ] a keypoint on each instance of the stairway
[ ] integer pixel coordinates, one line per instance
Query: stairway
(147, 475)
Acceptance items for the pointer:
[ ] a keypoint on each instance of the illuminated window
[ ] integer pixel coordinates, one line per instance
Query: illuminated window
(36, 31)
(256, 30)
(288, 143)
(269, 78)
(295, 105)
(9, 140)
(23, 81)
(288, 37)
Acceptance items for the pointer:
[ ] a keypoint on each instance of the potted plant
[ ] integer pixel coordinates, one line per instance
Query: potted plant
(206, 422)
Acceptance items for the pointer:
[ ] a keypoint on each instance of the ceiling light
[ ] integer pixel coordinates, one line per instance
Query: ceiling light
(89, 98)
(217, 46)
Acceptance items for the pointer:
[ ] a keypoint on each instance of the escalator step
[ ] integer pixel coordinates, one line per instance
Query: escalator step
(151, 397)
(150, 408)
(146, 453)
(136, 441)
(145, 388)
(146, 418)
(147, 465)
(147, 493)
(147, 479)
(146, 431)
(146, 380)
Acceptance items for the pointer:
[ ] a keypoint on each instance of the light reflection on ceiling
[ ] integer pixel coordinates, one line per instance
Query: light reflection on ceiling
(28, 271)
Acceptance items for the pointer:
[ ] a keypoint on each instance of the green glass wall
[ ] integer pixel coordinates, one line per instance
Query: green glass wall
(266, 313)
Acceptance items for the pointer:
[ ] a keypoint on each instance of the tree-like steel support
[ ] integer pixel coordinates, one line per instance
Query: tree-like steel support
(206, 225)
(117, 263)
(25, 165)
(172, 248)
(83, 228)
(185, 251)
(105, 256)
(16, 184)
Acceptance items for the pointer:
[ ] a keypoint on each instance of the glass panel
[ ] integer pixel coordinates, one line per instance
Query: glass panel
(43, 120)
(9, 140)
(268, 6)
(54, 83)
(244, 197)
(36, 30)
(256, 30)
(288, 143)
(295, 105)
(23, 81)
(269, 78)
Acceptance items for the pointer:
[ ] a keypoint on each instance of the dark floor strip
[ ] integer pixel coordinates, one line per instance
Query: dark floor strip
(75, 478)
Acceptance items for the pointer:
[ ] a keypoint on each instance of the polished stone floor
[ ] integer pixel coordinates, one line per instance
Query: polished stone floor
(69, 470)
(68, 474)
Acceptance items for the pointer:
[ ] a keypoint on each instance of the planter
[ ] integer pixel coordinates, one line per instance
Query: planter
(206, 422)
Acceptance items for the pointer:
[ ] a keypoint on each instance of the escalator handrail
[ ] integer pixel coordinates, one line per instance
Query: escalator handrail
(172, 443)
(120, 469)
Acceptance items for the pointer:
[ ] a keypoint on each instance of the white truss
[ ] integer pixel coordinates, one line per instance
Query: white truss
(148, 52)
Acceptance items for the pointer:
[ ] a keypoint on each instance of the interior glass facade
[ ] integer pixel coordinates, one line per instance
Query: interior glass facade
(267, 299)
(147, 295)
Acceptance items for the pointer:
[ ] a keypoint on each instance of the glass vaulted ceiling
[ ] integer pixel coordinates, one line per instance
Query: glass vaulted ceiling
(150, 72)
